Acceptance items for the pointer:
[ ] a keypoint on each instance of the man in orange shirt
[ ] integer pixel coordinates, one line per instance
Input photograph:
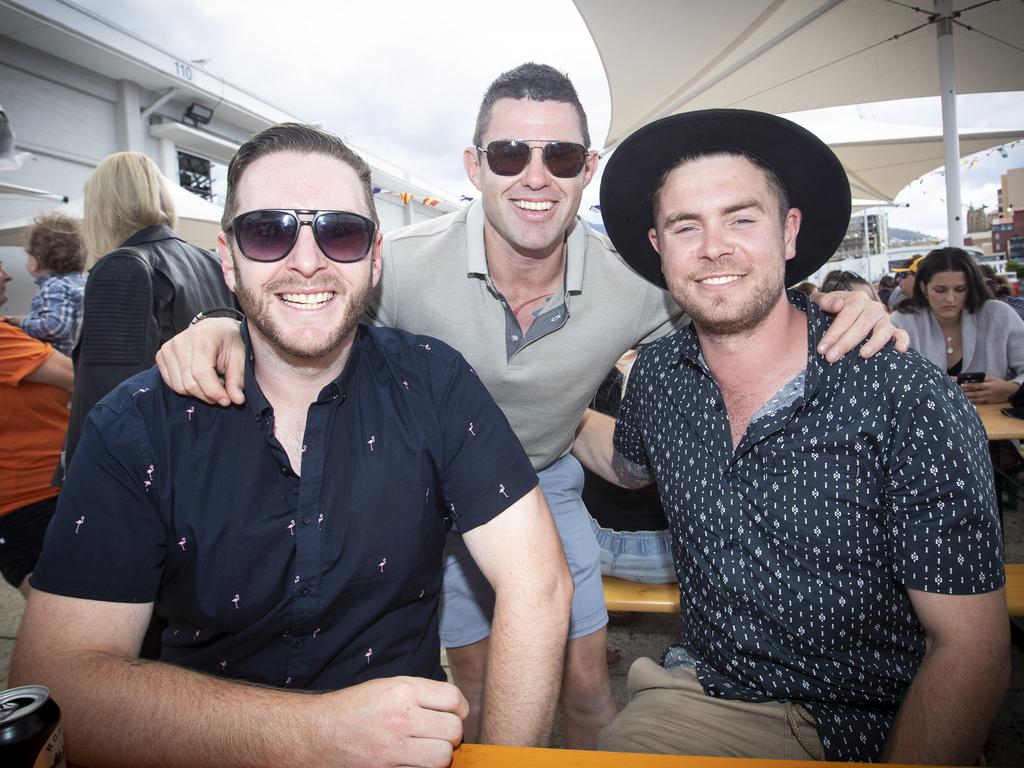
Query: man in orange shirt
(35, 386)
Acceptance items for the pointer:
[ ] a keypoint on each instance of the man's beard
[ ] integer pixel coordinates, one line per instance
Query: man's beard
(256, 305)
(726, 316)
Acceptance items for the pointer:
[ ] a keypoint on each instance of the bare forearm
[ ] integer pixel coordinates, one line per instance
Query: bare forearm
(595, 450)
(949, 707)
(524, 665)
(118, 711)
(56, 370)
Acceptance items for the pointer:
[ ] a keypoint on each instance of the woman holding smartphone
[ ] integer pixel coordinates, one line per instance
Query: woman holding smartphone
(953, 321)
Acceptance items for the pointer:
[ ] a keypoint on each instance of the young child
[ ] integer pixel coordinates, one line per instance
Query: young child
(56, 256)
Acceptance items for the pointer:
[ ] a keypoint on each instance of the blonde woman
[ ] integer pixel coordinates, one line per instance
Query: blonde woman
(145, 283)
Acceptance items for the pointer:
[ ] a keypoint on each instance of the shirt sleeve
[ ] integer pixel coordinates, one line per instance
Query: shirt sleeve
(20, 355)
(629, 438)
(1010, 320)
(107, 540)
(485, 469)
(53, 314)
(660, 316)
(939, 492)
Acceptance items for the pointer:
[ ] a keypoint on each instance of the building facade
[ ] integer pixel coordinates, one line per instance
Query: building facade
(76, 88)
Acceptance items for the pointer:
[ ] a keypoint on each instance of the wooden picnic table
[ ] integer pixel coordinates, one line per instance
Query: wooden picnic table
(485, 756)
(999, 426)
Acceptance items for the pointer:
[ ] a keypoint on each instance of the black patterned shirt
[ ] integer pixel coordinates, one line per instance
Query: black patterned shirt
(795, 550)
(316, 580)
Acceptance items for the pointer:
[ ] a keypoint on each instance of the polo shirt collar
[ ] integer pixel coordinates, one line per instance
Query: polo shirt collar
(476, 255)
(337, 390)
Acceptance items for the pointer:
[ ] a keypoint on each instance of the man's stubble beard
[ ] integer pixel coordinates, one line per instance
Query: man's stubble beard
(718, 318)
(256, 305)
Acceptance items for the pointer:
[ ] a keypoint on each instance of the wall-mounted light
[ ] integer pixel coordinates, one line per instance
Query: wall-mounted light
(197, 114)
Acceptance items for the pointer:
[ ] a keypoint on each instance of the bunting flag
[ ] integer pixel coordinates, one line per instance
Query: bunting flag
(969, 162)
(407, 197)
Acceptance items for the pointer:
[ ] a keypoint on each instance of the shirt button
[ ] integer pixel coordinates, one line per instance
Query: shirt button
(304, 591)
(284, 470)
(718, 407)
(515, 338)
(306, 519)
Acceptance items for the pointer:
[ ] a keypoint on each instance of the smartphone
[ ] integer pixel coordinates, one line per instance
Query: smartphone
(1017, 413)
(970, 377)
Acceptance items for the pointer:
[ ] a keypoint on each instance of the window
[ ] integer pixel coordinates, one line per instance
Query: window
(206, 178)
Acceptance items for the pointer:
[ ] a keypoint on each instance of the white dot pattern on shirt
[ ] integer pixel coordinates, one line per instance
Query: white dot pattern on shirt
(792, 550)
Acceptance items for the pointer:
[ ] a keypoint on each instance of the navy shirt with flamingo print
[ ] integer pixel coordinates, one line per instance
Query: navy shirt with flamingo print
(316, 581)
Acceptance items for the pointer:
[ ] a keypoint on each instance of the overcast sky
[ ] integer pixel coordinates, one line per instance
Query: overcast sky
(403, 79)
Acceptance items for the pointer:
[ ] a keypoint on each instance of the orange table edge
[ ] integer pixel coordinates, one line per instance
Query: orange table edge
(486, 756)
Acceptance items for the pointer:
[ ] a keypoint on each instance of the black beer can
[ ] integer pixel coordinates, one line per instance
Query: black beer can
(30, 732)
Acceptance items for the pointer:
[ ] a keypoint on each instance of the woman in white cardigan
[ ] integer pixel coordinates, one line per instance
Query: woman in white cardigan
(953, 321)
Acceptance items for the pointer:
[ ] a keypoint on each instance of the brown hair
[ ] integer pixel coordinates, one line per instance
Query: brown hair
(293, 137)
(55, 240)
(536, 82)
(775, 185)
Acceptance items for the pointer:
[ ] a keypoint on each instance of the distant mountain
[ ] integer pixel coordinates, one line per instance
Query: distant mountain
(899, 236)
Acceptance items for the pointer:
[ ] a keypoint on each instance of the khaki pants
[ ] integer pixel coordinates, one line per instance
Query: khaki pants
(669, 713)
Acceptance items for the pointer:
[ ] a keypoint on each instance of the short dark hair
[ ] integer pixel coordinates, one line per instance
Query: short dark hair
(775, 184)
(537, 82)
(948, 260)
(843, 280)
(55, 240)
(293, 137)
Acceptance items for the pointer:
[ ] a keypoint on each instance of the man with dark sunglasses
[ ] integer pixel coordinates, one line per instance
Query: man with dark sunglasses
(295, 542)
(542, 306)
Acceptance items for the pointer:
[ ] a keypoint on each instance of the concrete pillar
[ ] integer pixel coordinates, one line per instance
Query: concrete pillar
(128, 119)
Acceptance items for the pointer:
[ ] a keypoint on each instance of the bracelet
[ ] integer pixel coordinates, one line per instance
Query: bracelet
(218, 310)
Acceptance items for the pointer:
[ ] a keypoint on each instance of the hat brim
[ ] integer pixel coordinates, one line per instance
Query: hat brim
(811, 173)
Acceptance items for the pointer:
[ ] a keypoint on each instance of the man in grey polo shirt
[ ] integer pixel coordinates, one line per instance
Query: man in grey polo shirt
(541, 306)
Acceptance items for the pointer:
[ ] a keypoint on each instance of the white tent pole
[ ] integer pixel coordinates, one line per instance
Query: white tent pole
(950, 133)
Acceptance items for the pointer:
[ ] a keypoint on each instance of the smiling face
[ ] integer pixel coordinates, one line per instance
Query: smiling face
(529, 213)
(723, 247)
(947, 293)
(304, 306)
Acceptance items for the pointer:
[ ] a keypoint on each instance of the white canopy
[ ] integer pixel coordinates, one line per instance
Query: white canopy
(668, 56)
(880, 168)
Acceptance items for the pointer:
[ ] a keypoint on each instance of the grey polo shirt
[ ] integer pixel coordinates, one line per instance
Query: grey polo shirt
(436, 283)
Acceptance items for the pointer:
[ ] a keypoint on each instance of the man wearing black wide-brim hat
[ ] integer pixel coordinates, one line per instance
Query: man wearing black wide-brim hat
(834, 526)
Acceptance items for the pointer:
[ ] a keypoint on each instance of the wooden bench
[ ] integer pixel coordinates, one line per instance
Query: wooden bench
(620, 595)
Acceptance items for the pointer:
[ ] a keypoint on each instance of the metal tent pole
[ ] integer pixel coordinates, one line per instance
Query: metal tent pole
(950, 132)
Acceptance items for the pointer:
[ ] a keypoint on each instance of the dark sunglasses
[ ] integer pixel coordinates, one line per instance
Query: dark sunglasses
(508, 157)
(270, 234)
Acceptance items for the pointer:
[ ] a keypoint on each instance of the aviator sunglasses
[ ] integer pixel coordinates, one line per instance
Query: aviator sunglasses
(508, 157)
(270, 234)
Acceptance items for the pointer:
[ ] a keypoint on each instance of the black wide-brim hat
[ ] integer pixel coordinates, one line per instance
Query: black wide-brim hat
(811, 173)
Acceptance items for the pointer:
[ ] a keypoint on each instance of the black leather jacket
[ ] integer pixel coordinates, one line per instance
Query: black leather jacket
(136, 298)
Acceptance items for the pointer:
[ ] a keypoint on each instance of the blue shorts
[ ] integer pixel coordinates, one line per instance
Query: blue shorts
(467, 600)
(642, 556)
